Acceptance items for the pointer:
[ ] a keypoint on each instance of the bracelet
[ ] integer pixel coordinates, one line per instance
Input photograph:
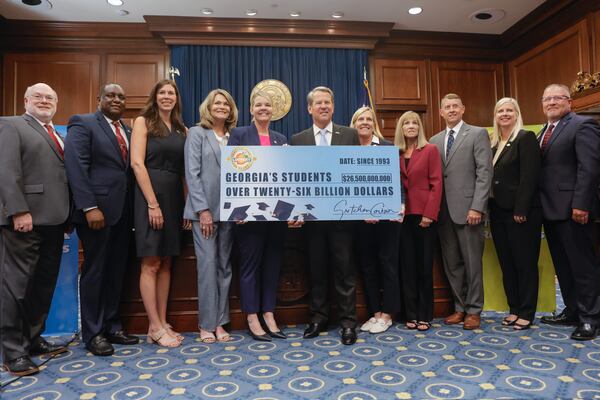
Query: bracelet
(153, 207)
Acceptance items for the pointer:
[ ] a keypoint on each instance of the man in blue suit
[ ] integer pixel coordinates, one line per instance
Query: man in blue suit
(569, 182)
(97, 163)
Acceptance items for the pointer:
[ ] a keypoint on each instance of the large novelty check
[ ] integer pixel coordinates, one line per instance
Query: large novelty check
(280, 183)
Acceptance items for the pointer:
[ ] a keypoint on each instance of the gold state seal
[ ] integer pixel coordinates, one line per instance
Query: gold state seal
(280, 96)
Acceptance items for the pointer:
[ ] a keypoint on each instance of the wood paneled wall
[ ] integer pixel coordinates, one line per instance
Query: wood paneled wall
(75, 77)
(556, 61)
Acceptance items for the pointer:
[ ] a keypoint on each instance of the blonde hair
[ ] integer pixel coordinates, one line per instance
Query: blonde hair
(206, 119)
(357, 114)
(399, 140)
(496, 134)
(311, 94)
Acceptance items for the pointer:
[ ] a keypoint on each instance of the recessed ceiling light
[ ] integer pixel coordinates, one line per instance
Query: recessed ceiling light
(488, 15)
(251, 12)
(337, 15)
(415, 10)
(115, 2)
(40, 4)
(295, 14)
(207, 11)
(123, 13)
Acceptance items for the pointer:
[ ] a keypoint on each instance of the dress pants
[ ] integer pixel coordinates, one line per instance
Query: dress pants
(260, 247)
(518, 250)
(377, 246)
(213, 265)
(574, 253)
(29, 263)
(462, 253)
(106, 257)
(418, 246)
(330, 248)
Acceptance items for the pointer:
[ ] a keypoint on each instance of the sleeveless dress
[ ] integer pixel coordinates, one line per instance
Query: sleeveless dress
(165, 165)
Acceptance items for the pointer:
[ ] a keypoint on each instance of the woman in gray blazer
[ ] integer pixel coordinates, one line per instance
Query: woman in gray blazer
(212, 237)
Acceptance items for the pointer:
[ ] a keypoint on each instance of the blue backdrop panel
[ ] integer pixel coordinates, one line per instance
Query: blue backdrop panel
(63, 316)
(238, 69)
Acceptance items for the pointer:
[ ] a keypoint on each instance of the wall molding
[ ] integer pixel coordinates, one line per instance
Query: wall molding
(267, 32)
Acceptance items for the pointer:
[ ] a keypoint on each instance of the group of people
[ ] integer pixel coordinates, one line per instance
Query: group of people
(161, 178)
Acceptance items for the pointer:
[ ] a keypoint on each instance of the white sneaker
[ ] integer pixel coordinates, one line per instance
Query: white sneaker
(380, 325)
(366, 327)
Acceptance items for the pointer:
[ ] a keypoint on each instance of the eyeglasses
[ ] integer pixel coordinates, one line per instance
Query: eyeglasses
(40, 97)
(555, 99)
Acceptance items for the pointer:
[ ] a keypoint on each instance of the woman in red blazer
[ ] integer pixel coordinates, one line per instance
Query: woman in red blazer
(421, 170)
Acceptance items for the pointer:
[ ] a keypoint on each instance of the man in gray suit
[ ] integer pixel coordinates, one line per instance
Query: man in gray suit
(34, 201)
(467, 166)
(329, 242)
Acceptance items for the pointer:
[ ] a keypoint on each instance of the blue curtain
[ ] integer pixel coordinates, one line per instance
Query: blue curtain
(238, 69)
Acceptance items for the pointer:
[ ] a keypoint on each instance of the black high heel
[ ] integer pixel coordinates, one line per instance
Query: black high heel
(276, 335)
(261, 338)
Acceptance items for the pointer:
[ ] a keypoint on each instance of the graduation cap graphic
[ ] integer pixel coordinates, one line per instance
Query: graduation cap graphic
(310, 217)
(309, 206)
(262, 206)
(283, 210)
(259, 217)
(239, 214)
(227, 205)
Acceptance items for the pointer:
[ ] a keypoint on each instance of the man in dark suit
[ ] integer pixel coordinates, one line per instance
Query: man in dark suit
(97, 162)
(329, 243)
(34, 203)
(467, 167)
(569, 182)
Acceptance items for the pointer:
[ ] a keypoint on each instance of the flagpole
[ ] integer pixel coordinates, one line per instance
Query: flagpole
(371, 104)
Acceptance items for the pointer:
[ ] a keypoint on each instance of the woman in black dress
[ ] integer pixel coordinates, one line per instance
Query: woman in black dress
(157, 143)
(515, 211)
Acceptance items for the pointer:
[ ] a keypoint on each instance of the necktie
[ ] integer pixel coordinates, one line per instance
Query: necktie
(55, 140)
(547, 136)
(121, 140)
(323, 141)
(450, 142)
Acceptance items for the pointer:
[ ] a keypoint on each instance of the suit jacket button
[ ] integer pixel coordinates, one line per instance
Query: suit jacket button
(496, 182)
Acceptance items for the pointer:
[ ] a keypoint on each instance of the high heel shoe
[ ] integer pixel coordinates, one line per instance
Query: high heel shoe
(279, 334)
(155, 337)
(261, 338)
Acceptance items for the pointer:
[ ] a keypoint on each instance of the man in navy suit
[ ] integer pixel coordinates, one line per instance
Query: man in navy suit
(97, 163)
(329, 242)
(569, 182)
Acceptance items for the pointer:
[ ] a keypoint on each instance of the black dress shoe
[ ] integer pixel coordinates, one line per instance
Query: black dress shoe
(313, 330)
(41, 347)
(585, 332)
(564, 318)
(121, 337)
(275, 335)
(21, 366)
(100, 346)
(348, 336)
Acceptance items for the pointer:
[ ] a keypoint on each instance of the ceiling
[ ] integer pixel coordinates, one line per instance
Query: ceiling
(437, 15)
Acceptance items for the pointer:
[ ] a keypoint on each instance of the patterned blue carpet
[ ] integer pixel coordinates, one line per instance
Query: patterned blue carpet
(446, 362)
